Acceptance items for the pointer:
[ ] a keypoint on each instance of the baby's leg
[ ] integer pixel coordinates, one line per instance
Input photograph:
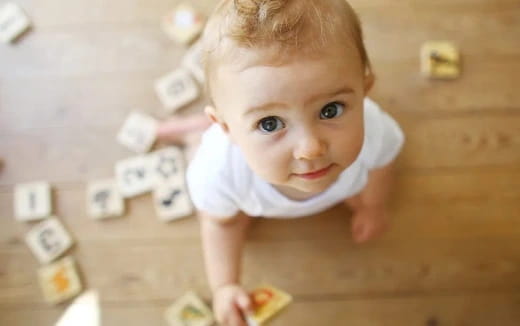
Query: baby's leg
(178, 129)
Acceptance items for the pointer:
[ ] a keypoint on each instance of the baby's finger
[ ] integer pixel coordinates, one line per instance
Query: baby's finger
(235, 318)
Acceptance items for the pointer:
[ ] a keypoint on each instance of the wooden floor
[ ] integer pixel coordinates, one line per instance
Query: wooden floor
(452, 256)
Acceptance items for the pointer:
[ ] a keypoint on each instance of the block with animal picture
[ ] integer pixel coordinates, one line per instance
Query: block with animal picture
(48, 240)
(104, 199)
(267, 302)
(193, 62)
(189, 310)
(32, 201)
(138, 132)
(134, 176)
(184, 23)
(176, 89)
(13, 22)
(440, 59)
(59, 281)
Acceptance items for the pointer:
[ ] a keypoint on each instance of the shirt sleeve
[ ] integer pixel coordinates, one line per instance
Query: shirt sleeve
(384, 138)
(208, 180)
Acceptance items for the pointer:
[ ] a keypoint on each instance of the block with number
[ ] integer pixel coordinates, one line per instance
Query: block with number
(189, 310)
(172, 201)
(32, 201)
(193, 62)
(267, 301)
(48, 240)
(133, 176)
(13, 22)
(440, 60)
(59, 281)
(167, 165)
(176, 89)
(138, 132)
(104, 199)
(183, 24)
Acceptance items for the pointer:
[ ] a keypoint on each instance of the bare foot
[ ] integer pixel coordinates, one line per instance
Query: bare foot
(177, 129)
(368, 223)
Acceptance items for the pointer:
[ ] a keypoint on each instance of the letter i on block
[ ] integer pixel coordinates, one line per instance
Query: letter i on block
(104, 199)
(32, 201)
(13, 22)
(48, 240)
(59, 281)
(189, 310)
(440, 60)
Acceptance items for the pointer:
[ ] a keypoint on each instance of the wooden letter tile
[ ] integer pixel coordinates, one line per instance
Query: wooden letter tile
(32, 201)
(176, 89)
(59, 281)
(104, 199)
(13, 22)
(133, 176)
(48, 240)
(138, 132)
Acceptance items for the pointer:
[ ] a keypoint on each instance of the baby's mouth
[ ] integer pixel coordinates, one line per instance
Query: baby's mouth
(316, 174)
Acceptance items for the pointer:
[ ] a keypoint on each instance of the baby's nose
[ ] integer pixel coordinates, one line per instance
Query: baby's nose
(310, 147)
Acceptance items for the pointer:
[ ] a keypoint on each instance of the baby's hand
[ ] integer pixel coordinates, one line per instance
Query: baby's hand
(369, 223)
(230, 304)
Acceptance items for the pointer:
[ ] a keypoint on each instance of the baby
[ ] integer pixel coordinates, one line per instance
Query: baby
(291, 131)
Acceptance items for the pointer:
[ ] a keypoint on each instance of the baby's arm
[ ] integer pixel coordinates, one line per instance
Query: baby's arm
(369, 207)
(222, 242)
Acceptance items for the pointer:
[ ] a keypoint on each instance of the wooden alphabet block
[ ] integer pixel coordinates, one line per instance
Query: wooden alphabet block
(189, 310)
(176, 89)
(48, 240)
(440, 60)
(104, 199)
(13, 22)
(133, 176)
(32, 201)
(138, 132)
(193, 62)
(167, 165)
(59, 281)
(172, 201)
(267, 302)
(183, 24)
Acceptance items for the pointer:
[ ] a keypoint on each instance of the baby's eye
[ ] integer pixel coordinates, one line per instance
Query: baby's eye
(332, 110)
(270, 124)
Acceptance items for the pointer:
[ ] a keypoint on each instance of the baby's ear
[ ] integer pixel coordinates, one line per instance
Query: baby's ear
(370, 79)
(211, 112)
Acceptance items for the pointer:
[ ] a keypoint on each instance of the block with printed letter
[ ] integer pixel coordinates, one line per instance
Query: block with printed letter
(138, 132)
(183, 24)
(189, 310)
(176, 89)
(13, 22)
(267, 301)
(440, 59)
(193, 62)
(134, 176)
(59, 281)
(48, 240)
(32, 201)
(104, 199)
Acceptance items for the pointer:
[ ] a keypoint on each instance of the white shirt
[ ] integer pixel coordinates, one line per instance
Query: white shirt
(221, 183)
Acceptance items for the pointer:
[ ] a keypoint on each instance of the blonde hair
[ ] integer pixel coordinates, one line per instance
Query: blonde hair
(286, 26)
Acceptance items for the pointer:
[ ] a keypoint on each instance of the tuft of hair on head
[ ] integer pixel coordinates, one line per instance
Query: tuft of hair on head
(286, 26)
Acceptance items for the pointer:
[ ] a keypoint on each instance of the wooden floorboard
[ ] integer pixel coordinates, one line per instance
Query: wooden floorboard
(451, 257)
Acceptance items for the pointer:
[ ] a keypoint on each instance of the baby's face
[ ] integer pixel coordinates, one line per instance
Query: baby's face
(299, 125)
